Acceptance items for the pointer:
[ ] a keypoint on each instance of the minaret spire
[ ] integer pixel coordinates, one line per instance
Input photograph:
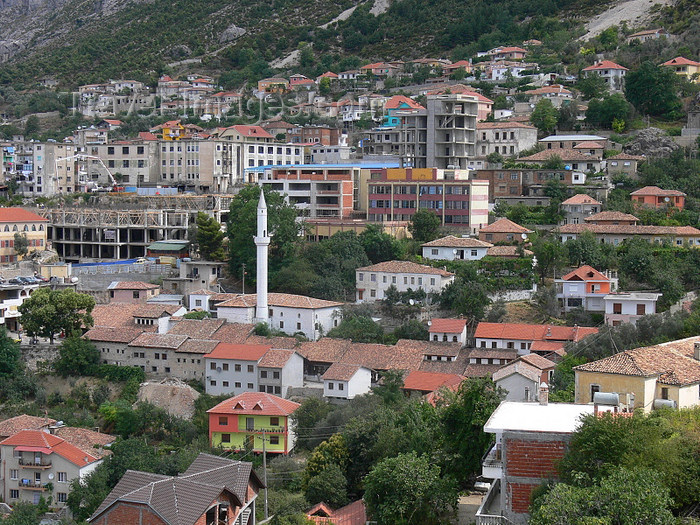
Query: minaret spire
(262, 241)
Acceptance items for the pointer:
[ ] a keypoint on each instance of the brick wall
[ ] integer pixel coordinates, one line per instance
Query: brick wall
(519, 494)
(533, 459)
(125, 513)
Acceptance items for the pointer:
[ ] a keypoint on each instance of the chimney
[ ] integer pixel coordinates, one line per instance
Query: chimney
(696, 351)
(544, 394)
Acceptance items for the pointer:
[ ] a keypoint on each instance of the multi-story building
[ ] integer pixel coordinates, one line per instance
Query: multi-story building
(33, 461)
(617, 234)
(448, 330)
(521, 378)
(459, 201)
(586, 288)
(612, 73)
(131, 163)
(325, 135)
(522, 337)
(504, 230)
(505, 138)
(247, 420)
(575, 161)
(279, 370)
(233, 368)
(579, 207)
(624, 164)
(345, 381)
(441, 136)
(655, 197)
(132, 291)
(690, 69)
(453, 248)
(24, 223)
(373, 281)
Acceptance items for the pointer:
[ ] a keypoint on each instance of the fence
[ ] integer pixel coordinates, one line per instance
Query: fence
(108, 269)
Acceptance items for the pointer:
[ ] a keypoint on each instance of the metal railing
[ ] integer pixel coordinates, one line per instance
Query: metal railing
(33, 463)
(484, 515)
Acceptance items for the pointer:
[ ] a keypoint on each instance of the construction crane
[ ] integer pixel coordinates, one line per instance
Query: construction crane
(82, 157)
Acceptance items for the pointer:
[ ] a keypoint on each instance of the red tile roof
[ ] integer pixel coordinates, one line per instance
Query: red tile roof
(507, 251)
(581, 198)
(655, 191)
(449, 326)
(605, 64)
(397, 101)
(546, 90)
(681, 61)
(325, 350)
(461, 89)
(252, 131)
(279, 300)
(566, 154)
(585, 273)
(110, 334)
(588, 144)
(629, 229)
(118, 315)
(275, 358)
(13, 425)
(627, 156)
(504, 225)
(532, 332)
(240, 352)
(132, 285)
(153, 340)
(430, 381)
(351, 514)
(249, 403)
(19, 215)
(458, 242)
(234, 333)
(87, 440)
(607, 216)
(57, 445)
(340, 372)
(405, 267)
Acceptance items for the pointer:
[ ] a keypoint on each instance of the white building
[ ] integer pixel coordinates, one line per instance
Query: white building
(612, 73)
(448, 330)
(372, 282)
(627, 307)
(586, 288)
(453, 248)
(286, 312)
(280, 369)
(521, 377)
(344, 381)
(505, 138)
(233, 369)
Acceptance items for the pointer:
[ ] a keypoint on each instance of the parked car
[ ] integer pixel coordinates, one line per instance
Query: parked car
(15, 280)
(30, 280)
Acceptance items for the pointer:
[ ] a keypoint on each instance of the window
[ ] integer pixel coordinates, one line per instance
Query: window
(250, 386)
(212, 383)
(224, 384)
(274, 421)
(664, 393)
(212, 365)
(14, 494)
(14, 474)
(641, 309)
(341, 386)
(62, 497)
(594, 389)
(330, 386)
(226, 438)
(434, 251)
(136, 295)
(361, 276)
(237, 384)
(263, 374)
(617, 308)
(251, 369)
(274, 440)
(237, 368)
(224, 366)
(281, 324)
(275, 375)
(62, 477)
(223, 420)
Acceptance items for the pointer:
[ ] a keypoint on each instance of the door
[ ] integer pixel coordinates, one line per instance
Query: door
(250, 424)
(36, 497)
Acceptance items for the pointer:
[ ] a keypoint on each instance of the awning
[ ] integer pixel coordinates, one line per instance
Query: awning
(43, 450)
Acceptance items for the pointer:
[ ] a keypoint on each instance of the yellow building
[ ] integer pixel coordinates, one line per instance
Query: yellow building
(171, 130)
(25, 223)
(663, 375)
(690, 69)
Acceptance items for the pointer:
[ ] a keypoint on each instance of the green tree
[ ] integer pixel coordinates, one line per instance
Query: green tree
(199, 315)
(31, 127)
(544, 116)
(10, 357)
(48, 312)
(424, 225)
(462, 423)
(21, 244)
(592, 86)
(242, 228)
(379, 246)
(652, 90)
(325, 86)
(603, 113)
(210, 238)
(553, 162)
(307, 416)
(76, 356)
(333, 451)
(23, 513)
(469, 299)
(329, 486)
(359, 329)
(550, 255)
(408, 489)
(412, 329)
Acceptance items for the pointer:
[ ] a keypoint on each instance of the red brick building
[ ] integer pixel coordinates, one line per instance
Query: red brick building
(531, 438)
(314, 135)
(212, 490)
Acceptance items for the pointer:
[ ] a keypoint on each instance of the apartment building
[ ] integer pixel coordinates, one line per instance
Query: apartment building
(28, 224)
(373, 281)
(505, 138)
(441, 136)
(578, 208)
(395, 194)
(629, 307)
(507, 184)
(131, 163)
(612, 73)
(586, 288)
(655, 197)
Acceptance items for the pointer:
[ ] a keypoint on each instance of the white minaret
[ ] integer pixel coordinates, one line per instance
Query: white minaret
(262, 241)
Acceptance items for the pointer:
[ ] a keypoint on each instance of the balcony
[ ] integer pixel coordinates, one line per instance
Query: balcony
(29, 463)
(492, 463)
(32, 485)
(489, 512)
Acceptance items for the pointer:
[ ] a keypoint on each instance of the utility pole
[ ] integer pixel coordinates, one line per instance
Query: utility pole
(265, 470)
(243, 265)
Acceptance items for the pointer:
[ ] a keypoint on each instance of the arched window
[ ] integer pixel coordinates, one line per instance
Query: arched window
(41, 227)
(33, 227)
(26, 228)
(7, 228)
(14, 228)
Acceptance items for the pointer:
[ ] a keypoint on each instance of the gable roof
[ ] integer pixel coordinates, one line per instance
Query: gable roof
(630, 229)
(325, 350)
(241, 352)
(252, 131)
(131, 285)
(581, 198)
(589, 144)
(255, 403)
(566, 154)
(275, 358)
(182, 500)
(503, 125)
(87, 440)
(111, 334)
(668, 361)
(605, 64)
(118, 315)
(340, 372)
(197, 328)
(430, 381)
(405, 267)
(585, 273)
(13, 214)
(681, 61)
(402, 102)
(449, 326)
(451, 241)
(611, 216)
(50, 444)
(532, 332)
(507, 251)
(278, 299)
(504, 225)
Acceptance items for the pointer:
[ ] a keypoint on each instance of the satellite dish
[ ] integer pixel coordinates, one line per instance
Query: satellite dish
(411, 302)
(51, 476)
(523, 236)
(666, 199)
(430, 323)
(218, 369)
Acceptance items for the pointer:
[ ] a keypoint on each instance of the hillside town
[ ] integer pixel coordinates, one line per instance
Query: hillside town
(417, 291)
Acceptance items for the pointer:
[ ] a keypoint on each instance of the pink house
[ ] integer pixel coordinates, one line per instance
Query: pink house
(132, 291)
